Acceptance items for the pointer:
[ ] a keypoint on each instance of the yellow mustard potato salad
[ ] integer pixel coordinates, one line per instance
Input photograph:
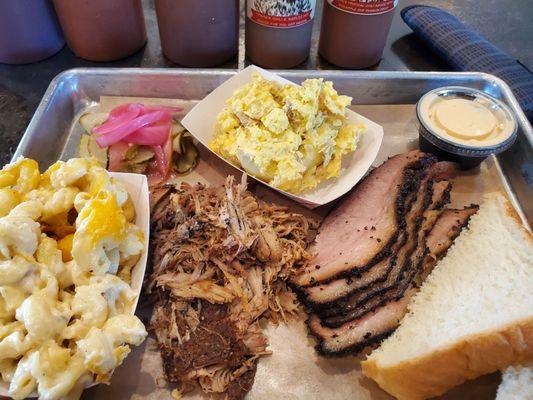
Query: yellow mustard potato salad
(292, 137)
(67, 245)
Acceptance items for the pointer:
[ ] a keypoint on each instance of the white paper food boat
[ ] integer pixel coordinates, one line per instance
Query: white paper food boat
(200, 122)
(137, 187)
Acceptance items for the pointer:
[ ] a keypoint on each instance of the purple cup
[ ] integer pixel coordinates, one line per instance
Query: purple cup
(29, 31)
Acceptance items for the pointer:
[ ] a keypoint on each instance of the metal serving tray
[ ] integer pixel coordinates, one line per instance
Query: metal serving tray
(53, 131)
(387, 98)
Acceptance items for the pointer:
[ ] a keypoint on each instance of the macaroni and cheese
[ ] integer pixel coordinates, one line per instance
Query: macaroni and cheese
(67, 245)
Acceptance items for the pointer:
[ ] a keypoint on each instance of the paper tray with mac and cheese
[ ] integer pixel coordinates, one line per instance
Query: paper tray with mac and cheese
(69, 288)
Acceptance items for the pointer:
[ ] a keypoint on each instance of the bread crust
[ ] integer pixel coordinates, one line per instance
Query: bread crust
(435, 373)
(511, 212)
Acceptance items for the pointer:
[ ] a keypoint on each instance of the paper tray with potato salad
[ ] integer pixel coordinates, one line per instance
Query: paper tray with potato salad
(293, 367)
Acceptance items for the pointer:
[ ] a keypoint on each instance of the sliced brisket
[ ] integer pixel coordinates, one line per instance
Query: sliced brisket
(370, 324)
(390, 288)
(325, 298)
(331, 294)
(346, 244)
(355, 335)
(447, 228)
(441, 194)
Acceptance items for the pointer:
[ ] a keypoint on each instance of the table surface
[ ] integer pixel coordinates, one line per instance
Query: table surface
(506, 23)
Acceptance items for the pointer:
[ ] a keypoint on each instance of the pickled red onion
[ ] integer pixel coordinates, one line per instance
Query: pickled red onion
(119, 116)
(152, 135)
(106, 137)
(159, 170)
(126, 120)
(141, 125)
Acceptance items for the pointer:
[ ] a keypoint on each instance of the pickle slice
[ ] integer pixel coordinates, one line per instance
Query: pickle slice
(88, 148)
(89, 121)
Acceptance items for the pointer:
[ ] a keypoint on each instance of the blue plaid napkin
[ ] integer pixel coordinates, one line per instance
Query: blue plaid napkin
(466, 50)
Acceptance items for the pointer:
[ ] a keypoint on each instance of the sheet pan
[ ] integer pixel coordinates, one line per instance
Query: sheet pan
(294, 371)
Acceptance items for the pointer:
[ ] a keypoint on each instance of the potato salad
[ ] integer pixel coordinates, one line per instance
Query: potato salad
(67, 246)
(292, 137)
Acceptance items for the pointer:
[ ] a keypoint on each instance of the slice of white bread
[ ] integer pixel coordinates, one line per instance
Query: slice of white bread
(472, 316)
(517, 383)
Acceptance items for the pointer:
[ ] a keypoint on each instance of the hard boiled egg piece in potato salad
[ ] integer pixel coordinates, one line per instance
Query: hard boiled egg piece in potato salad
(292, 137)
(67, 244)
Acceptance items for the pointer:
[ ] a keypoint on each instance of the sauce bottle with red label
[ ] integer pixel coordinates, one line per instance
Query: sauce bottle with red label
(354, 32)
(278, 32)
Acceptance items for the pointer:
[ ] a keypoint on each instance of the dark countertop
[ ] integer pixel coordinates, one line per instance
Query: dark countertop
(506, 23)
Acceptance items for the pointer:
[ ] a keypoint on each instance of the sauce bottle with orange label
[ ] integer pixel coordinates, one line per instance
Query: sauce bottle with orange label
(278, 32)
(354, 32)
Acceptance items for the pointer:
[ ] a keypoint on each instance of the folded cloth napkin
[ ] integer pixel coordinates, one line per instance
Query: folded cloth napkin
(467, 50)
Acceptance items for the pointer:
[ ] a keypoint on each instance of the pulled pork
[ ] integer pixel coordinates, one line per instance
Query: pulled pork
(221, 259)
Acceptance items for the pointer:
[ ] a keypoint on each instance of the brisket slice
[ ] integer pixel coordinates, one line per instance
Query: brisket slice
(444, 231)
(333, 295)
(344, 246)
(447, 228)
(444, 170)
(412, 265)
(354, 336)
(406, 262)
(441, 194)
(372, 325)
